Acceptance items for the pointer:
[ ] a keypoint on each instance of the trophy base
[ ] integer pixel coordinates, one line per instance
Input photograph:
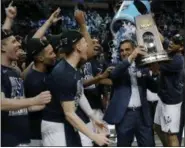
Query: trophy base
(152, 58)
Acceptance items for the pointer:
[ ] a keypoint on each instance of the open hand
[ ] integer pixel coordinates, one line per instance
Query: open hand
(101, 139)
(54, 18)
(43, 98)
(100, 126)
(139, 50)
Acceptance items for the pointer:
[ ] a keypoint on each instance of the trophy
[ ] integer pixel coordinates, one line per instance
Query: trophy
(133, 21)
(123, 26)
(147, 34)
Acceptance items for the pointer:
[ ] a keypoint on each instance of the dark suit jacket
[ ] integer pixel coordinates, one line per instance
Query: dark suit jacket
(122, 93)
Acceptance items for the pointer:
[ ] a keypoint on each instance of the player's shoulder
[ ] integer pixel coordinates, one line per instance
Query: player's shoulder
(63, 70)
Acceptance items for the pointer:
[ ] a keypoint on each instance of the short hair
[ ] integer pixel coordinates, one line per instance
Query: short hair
(4, 42)
(35, 58)
(132, 43)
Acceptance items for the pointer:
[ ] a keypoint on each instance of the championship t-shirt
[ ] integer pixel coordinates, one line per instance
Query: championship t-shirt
(14, 124)
(65, 84)
(93, 92)
(34, 84)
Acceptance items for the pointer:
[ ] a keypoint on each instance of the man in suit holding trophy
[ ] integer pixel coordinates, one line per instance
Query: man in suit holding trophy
(129, 108)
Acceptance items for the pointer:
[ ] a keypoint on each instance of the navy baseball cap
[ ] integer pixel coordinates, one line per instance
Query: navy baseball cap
(35, 46)
(54, 40)
(68, 39)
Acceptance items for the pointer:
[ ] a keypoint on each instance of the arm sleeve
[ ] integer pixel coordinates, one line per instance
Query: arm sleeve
(85, 106)
(119, 69)
(175, 65)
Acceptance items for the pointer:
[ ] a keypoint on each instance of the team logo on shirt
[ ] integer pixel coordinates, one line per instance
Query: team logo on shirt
(87, 70)
(16, 93)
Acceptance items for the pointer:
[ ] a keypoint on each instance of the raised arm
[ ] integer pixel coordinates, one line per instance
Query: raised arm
(54, 18)
(11, 13)
(124, 64)
(175, 65)
(80, 18)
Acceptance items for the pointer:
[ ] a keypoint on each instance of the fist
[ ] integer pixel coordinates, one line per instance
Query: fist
(80, 17)
(43, 98)
(107, 72)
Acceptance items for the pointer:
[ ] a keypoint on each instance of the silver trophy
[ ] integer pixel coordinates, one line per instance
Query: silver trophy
(147, 34)
(126, 25)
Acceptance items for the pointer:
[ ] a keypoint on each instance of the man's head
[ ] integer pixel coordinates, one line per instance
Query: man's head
(97, 48)
(176, 43)
(40, 51)
(73, 42)
(126, 48)
(9, 46)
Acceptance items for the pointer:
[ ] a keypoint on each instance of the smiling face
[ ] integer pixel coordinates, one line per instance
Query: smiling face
(126, 50)
(10, 48)
(173, 47)
(47, 56)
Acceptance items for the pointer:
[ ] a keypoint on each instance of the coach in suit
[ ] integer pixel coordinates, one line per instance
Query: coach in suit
(129, 109)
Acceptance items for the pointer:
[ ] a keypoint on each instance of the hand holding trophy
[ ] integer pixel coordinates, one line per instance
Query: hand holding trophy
(148, 35)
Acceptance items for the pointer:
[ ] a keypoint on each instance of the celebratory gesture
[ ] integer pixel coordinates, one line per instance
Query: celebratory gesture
(54, 18)
(11, 11)
(80, 17)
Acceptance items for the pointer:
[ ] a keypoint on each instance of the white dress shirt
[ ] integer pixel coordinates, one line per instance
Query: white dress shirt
(135, 100)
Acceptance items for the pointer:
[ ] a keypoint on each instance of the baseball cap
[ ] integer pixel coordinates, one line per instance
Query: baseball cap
(35, 46)
(5, 34)
(178, 39)
(54, 40)
(68, 39)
